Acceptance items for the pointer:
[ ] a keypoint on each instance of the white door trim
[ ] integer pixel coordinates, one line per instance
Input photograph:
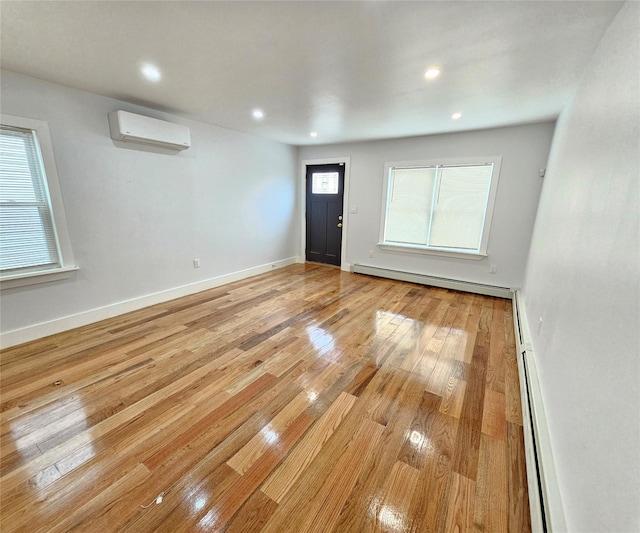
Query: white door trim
(344, 265)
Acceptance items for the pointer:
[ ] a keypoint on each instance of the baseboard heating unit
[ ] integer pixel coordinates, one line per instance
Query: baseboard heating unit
(545, 504)
(443, 283)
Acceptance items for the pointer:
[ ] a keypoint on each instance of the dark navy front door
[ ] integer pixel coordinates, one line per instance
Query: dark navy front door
(325, 191)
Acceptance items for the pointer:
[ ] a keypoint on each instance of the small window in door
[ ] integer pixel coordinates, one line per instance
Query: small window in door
(325, 183)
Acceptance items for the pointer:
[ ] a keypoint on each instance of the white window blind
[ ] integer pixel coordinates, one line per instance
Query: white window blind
(27, 235)
(440, 207)
(409, 207)
(459, 207)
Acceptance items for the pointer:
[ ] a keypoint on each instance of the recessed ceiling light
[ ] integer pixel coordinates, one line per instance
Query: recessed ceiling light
(314, 134)
(258, 114)
(151, 72)
(432, 73)
(456, 116)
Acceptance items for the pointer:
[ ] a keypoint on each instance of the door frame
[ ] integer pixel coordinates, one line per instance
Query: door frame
(302, 202)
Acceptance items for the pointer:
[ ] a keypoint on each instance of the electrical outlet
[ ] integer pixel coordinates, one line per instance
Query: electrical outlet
(370, 253)
(493, 269)
(196, 263)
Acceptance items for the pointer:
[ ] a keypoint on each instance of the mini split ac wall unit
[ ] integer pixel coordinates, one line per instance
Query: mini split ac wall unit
(130, 127)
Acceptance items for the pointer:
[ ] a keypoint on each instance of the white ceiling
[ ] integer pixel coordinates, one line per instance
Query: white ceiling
(348, 70)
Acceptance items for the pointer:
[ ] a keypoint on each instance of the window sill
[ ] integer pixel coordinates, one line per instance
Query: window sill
(32, 278)
(474, 256)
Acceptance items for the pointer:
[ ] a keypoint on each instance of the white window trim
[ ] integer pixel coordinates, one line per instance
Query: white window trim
(411, 248)
(67, 262)
(417, 249)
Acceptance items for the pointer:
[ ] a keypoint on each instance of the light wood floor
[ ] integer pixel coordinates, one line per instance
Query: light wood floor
(306, 399)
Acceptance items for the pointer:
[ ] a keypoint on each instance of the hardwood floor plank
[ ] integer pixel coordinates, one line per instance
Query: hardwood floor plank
(224, 410)
(519, 514)
(389, 515)
(467, 446)
(362, 379)
(286, 475)
(198, 470)
(453, 396)
(38, 392)
(177, 510)
(253, 515)
(490, 512)
(461, 504)
(355, 513)
(97, 406)
(95, 460)
(471, 331)
(233, 498)
(325, 507)
(383, 402)
(512, 380)
(417, 446)
(325, 398)
(428, 509)
(496, 365)
(304, 399)
(50, 457)
(97, 509)
(53, 365)
(493, 415)
(256, 447)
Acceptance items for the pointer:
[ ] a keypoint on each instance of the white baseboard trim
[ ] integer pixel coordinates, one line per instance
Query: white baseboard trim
(44, 329)
(443, 283)
(547, 514)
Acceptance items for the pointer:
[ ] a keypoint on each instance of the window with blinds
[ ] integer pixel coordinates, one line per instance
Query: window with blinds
(34, 240)
(445, 207)
(27, 236)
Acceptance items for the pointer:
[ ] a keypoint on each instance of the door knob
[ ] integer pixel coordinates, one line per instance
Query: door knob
(339, 224)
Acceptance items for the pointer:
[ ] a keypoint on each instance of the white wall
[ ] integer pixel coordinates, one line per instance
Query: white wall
(583, 279)
(524, 150)
(137, 219)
